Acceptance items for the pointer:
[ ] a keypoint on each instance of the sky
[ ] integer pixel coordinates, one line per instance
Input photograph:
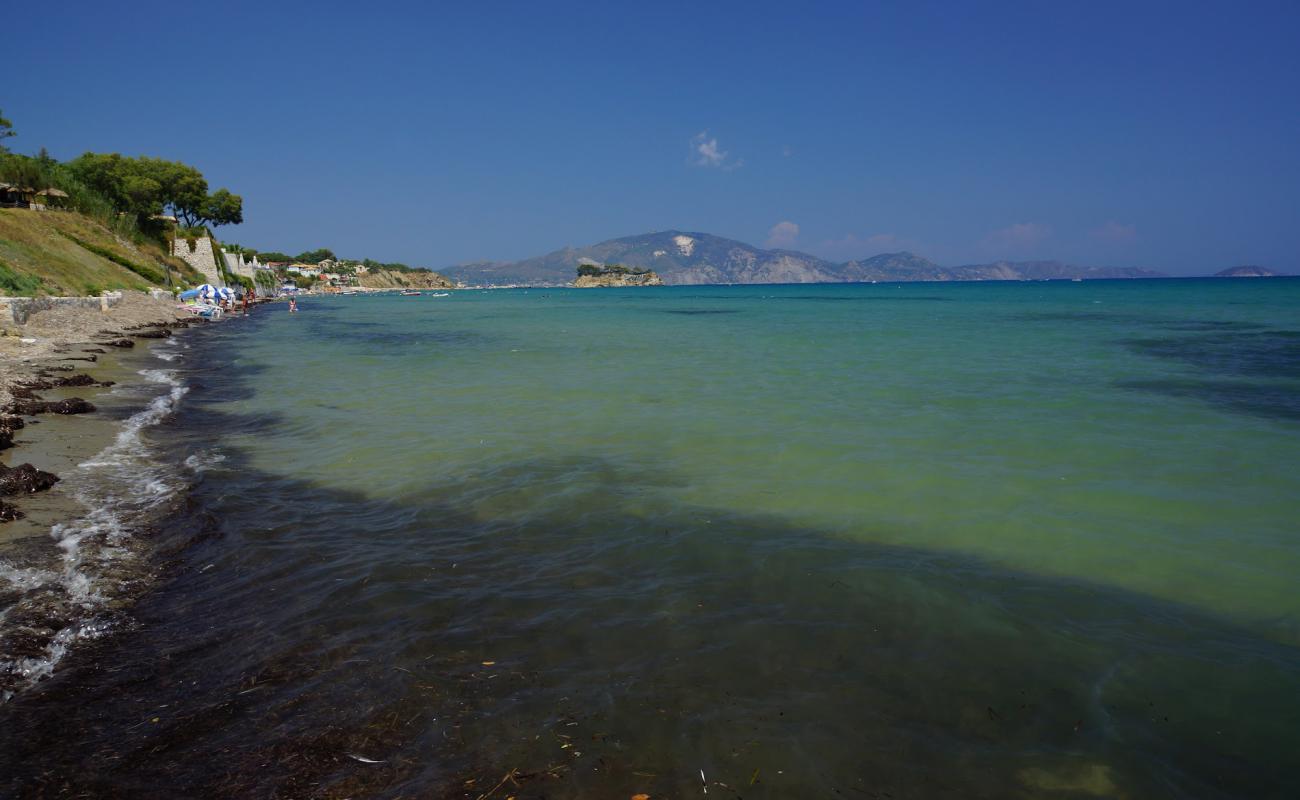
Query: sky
(1158, 135)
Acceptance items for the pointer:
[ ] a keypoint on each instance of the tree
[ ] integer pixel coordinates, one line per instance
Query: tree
(148, 186)
(6, 131)
(316, 256)
(223, 208)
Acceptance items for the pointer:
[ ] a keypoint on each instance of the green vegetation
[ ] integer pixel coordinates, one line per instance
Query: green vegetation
(148, 273)
(16, 283)
(265, 280)
(6, 131)
(146, 187)
(128, 195)
(597, 270)
(45, 245)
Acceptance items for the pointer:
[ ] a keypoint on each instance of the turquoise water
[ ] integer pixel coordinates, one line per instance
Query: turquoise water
(1102, 431)
(926, 540)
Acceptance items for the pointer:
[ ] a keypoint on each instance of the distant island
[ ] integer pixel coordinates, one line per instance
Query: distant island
(1247, 271)
(679, 258)
(591, 276)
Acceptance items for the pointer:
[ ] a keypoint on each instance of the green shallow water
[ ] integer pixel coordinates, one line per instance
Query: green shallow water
(1139, 435)
(894, 541)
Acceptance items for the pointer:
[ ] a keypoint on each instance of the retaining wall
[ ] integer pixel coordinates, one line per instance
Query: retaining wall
(201, 257)
(16, 310)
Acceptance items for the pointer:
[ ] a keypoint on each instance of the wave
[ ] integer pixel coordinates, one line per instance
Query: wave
(97, 555)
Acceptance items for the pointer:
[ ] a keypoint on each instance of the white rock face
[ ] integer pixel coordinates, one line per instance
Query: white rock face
(685, 244)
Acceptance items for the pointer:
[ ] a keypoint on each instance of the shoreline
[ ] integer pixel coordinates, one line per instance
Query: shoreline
(81, 483)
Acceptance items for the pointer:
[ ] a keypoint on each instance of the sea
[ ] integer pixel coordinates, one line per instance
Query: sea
(976, 540)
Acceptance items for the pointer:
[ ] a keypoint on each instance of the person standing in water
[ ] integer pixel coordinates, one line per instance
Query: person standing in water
(293, 305)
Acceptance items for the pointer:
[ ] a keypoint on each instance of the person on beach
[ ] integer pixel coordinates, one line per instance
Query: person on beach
(245, 303)
(293, 305)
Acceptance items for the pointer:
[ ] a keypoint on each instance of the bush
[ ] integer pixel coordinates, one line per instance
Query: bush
(16, 283)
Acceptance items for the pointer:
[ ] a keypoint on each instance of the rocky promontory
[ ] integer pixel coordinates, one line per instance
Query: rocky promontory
(410, 279)
(593, 276)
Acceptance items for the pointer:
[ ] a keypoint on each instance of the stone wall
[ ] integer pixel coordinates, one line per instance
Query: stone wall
(236, 264)
(201, 257)
(16, 310)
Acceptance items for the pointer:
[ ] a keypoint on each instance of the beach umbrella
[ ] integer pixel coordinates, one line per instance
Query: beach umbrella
(207, 291)
(226, 293)
(189, 294)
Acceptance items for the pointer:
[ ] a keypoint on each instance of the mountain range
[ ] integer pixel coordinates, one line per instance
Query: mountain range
(699, 258)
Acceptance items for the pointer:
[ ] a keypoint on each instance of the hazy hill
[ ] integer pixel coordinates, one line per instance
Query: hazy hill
(1246, 271)
(700, 258)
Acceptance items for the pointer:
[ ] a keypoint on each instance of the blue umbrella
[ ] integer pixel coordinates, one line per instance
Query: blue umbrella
(226, 293)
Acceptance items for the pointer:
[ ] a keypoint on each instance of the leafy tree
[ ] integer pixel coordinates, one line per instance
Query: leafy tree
(148, 186)
(316, 256)
(274, 256)
(6, 131)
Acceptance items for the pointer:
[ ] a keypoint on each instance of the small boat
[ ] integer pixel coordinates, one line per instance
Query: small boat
(348, 294)
(441, 294)
(409, 293)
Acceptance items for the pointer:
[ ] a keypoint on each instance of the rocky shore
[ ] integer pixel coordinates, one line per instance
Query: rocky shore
(46, 352)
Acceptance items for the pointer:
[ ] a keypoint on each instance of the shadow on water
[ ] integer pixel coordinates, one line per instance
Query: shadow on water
(1255, 372)
(558, 627)
(1273, 354)
(1271, 401)
(324, 644)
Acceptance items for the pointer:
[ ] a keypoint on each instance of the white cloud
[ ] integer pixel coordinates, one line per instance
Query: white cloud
(1116, 233)
(706, 152)
(1020, 236)
(783, 234)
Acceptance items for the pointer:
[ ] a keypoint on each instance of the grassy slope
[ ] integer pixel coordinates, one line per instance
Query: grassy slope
(35, 244)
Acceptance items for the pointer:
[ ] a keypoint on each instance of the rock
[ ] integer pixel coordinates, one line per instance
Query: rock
(118, 343)
(73, 405)
(25, 479)
(162, 333)
(7, 427)
(27, 407)
(9, 513)
(51, 382)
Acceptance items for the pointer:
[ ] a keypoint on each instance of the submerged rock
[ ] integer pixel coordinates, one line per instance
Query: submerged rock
(25, 479)
(9, 512)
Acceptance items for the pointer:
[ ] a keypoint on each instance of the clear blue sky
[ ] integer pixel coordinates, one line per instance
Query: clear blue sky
(1161, 135)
